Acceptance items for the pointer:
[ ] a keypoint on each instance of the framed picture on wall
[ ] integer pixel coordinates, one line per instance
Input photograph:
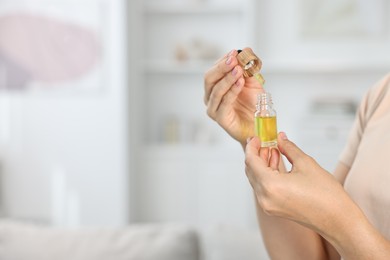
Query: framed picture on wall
(51, 46)
(343, 18)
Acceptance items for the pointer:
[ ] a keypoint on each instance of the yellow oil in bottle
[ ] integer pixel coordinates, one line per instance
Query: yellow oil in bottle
(266, 130)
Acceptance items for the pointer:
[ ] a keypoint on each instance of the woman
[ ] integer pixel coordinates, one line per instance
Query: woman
(307, 213)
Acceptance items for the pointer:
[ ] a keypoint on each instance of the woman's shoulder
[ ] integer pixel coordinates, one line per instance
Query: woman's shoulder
(379, 90)
(382, 84)
(377, 96)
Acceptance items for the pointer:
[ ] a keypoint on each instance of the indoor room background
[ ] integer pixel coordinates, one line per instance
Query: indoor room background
(102, 120)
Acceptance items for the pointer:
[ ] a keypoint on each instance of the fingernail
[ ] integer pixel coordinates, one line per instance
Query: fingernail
(229, 60)
(230, 53)
(283, 136)
(248, 139)
(234, 72)
(238, 83)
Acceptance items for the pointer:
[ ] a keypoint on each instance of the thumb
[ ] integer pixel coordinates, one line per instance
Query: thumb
(289, 149)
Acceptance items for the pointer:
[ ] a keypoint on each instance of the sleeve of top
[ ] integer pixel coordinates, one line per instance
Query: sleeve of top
(347, 156)
(366, 109)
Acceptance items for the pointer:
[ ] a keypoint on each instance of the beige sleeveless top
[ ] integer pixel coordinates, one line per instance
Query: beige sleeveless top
(367, 153)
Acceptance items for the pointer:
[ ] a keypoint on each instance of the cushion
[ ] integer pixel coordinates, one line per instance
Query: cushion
(224, 242)
(21, 241)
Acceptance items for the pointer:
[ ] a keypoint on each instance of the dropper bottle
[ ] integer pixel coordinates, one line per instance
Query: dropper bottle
(265, 120)
(265, 115)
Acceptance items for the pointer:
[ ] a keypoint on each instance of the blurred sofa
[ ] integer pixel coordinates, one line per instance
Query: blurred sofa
(23, 241)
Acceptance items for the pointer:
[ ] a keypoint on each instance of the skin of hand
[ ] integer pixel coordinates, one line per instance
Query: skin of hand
(310, 196)
(306, 194)
(230, 98)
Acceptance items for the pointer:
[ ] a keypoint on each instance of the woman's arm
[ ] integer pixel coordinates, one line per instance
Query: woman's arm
(340, 173)
(285, 239)
(230, 102)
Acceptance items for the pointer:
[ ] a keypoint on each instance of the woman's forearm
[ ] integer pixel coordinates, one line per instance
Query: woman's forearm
(353, 236)
(285, 239)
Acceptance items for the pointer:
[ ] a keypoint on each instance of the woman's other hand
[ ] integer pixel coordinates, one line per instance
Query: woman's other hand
(307, 194)
(230, 98)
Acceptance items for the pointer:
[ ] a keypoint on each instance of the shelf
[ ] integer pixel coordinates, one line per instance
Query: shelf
(347, 66)
(194, 9)
(271, 67)
(176, 67)
(193, 151)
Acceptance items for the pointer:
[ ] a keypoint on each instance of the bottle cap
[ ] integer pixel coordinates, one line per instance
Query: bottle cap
(249, 62)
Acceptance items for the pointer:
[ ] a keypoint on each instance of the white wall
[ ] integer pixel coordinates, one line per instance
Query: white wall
(82, 136)
(301, 68)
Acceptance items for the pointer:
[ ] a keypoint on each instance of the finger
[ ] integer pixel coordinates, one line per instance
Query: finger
(264, 154)
(231, 80)
(228, 99)
(230, 53)
(255, 155)
(255, 166)
(217, 72)
(253, 142)
(274, 159)
(289, 149)
(252, 158)
(250, 175)
(252, 147)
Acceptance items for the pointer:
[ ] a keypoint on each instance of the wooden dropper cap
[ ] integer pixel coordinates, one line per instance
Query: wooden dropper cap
(249, 62)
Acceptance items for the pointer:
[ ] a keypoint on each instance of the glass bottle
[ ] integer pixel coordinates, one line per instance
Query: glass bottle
(265, 120)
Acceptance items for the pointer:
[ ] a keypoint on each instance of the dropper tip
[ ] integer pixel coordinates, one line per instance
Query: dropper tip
(260, 78)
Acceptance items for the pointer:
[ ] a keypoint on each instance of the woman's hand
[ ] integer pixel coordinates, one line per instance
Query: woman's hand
(307, 194)
(231, 99)
(311, 196)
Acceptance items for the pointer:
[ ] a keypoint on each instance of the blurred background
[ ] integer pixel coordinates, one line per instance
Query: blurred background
(102, 120)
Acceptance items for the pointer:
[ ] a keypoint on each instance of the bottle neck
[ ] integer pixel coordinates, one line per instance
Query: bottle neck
(264, 101)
